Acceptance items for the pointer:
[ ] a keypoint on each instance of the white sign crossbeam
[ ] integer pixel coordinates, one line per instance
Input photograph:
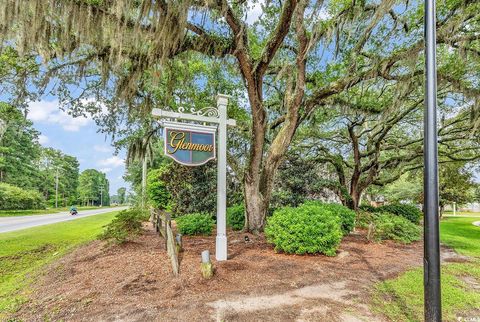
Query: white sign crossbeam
(190, 117)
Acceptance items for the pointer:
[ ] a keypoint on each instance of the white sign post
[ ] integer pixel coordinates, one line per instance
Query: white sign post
(216, 116)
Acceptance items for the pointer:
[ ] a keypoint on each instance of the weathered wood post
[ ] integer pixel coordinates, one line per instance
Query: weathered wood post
(206, 266)
(178, 239)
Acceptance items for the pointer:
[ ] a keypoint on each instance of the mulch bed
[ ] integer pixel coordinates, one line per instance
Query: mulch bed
(133, 282)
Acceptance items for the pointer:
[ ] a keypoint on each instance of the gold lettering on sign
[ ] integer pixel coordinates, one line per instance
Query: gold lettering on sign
(177, 142)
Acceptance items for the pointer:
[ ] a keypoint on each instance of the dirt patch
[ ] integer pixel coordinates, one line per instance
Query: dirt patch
(451, 256)
(133, 282)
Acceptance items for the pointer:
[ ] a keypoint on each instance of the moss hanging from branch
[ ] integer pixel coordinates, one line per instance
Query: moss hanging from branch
(125, 36)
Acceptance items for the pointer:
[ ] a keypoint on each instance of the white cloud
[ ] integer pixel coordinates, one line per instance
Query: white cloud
(43, 139)
(49, 112)
(102, 148)
(105, 170)
(113, 161)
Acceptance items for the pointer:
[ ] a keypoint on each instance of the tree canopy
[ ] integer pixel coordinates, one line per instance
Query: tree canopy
(352, 69)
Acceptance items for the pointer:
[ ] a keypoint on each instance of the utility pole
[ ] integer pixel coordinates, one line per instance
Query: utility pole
(431, 257)
(56, 189)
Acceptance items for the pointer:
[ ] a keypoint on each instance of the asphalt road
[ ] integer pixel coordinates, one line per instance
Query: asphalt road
(21, 222)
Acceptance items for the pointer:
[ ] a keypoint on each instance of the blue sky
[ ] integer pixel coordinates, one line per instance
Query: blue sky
(77, 137)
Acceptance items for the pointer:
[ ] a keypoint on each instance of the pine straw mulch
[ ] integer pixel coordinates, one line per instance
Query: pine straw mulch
(133, 282)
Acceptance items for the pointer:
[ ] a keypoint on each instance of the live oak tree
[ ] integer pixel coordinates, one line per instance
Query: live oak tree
(297, 58)
(364, 146)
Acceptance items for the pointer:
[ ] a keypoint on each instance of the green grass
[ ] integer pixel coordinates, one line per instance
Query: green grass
(23, 253)
(13, 213)
(401, 299)
(460, 234)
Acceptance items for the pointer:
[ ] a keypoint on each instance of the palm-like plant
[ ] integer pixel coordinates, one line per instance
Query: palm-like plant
(141, 149)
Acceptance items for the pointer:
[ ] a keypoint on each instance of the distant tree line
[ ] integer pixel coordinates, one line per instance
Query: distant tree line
(26, 165)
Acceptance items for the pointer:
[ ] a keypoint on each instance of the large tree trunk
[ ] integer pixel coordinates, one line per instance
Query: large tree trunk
(255, 207)
(259, 178)
(260, 173)
(254, 201)
(354, 200)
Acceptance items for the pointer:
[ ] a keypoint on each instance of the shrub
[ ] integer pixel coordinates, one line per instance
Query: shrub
(345, 215)
(308, 229)
(406, 211)
(126, 225)
(388, 226)
(15, 198)
(367, 208)
(158, 195)
(365, 218)
(236, 217)
(195, 224)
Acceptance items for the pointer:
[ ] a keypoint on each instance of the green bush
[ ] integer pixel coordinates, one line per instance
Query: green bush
(236, 217)
(15, 198)
(365, 218)
(126, 225)
(157, 193)
(308, 229)
(406, 211)
(367, 208)
(195, 224)
(388, 226)
(345, 215)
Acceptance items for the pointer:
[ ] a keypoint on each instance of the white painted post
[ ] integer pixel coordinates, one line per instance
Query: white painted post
(221, 240)
(454, 208)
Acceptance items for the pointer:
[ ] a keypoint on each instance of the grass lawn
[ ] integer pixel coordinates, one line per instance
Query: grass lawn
(401, 299)
(24, 252)
(12, 213)
(460, 234)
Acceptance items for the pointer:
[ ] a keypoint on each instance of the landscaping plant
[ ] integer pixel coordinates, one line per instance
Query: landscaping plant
(346, 215)
(236, 217)
(126, 225)
(307, 229)
(195, 224)
(396, 228)
(406, 211)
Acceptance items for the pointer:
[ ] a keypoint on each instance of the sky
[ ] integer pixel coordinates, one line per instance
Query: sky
(77, 137)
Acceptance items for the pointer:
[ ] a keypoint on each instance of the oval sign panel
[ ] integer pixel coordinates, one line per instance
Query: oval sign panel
(189, 144)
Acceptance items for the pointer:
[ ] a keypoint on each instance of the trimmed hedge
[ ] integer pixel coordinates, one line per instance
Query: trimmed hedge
(410, 212)
(397, 228)
(195, 224)
(236, 217)
(126, 225)
(307, 229)
(15, 198)
(346, 215)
